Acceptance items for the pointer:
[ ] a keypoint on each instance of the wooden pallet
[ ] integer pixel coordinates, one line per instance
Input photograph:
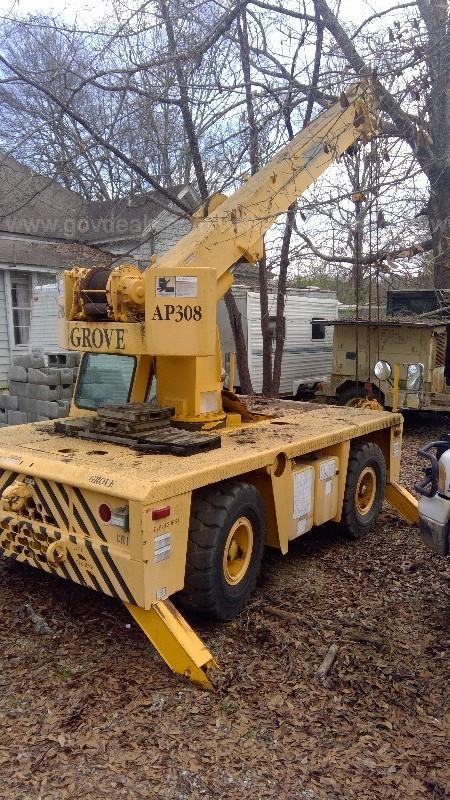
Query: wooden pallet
(134, 412)
(100, 424)
(142, 427)
(172, 441)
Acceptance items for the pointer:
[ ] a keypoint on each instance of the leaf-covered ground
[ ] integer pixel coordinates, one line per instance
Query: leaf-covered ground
(92, 712)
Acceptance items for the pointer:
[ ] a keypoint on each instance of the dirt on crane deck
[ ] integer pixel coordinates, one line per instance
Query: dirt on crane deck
(291, 427)
(90, 711)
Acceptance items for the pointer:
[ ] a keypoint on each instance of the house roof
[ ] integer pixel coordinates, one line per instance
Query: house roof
(51, 254)
(37, 206)
(105, 221)
(33, 205)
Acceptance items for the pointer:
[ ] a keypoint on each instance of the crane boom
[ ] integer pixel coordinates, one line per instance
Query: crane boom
(169, 310)
(236, 227)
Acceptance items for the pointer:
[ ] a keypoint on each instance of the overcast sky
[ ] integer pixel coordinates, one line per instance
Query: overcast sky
(88, 10)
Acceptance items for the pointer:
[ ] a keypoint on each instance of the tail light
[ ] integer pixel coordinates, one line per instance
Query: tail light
(114, 516)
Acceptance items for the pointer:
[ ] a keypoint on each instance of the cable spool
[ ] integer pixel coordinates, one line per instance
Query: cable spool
(93, 293)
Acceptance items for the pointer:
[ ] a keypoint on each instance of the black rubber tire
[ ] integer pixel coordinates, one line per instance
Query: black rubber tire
(214, 511)
(365, 454)
(345, 398)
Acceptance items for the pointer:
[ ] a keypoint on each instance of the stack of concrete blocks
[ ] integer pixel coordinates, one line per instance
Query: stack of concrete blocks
(40, 387)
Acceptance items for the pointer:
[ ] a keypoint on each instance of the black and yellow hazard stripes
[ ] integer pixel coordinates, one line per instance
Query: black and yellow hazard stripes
(82, 561)
(61, 505)
(58, 532)
(7, 478)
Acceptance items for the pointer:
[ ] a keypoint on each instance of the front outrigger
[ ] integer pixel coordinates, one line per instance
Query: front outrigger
(143, 501)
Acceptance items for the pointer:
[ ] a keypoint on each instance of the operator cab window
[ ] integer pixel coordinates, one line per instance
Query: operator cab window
(318, 328)
(105, 379)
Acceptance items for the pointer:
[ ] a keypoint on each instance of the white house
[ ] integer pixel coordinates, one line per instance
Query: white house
(45, 228)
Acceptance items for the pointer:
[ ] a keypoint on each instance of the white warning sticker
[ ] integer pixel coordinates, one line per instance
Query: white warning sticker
(162, 547)
(303, 483)
(186, 286)
(327, 469)
(301, 526)
(176, 286)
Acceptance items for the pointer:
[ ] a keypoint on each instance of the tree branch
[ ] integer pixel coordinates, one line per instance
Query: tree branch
(98, 137)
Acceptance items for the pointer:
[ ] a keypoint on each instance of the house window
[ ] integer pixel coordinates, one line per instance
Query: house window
(21, 306)
(318, 328)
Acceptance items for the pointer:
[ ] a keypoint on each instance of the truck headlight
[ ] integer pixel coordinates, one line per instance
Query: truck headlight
(414, 377)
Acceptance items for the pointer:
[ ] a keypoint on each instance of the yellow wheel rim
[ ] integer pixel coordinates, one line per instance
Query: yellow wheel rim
(366, 490)
(238, 551)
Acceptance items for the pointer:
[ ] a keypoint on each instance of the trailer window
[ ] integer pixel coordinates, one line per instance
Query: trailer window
(105, 379)
(318, 328)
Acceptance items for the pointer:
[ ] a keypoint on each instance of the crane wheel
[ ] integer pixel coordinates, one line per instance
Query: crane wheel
(225, 549)
(364, 489)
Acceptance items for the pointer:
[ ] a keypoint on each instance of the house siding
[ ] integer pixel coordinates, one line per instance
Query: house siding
(4, 338)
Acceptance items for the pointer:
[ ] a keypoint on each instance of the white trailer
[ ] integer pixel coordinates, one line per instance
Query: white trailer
(308, 349)
(308, 345)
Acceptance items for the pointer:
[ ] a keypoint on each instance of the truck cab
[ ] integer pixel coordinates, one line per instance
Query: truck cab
(359, 344)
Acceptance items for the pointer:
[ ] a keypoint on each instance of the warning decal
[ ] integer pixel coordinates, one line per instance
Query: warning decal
(179, 286)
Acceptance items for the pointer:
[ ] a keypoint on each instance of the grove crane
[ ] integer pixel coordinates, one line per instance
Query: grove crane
(144, 500)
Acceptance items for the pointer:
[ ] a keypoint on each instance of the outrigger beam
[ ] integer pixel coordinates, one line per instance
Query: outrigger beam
(175, 641)
(403, 501)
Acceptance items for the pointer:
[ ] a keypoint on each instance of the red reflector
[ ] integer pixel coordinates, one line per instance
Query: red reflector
(104, 512)
(160, 513)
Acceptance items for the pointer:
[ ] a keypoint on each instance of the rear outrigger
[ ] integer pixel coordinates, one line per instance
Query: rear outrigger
(179, 496)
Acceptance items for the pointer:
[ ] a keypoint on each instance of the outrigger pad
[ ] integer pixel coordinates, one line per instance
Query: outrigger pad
(178, 442)
(142, 427)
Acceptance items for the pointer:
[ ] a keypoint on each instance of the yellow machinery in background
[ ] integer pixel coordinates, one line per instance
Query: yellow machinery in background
(143, 501)
(401, 361)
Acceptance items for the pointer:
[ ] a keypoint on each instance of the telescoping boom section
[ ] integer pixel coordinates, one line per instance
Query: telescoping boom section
(169, 311)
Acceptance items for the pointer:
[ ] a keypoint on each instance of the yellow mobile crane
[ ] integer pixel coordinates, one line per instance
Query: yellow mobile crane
(145, 500)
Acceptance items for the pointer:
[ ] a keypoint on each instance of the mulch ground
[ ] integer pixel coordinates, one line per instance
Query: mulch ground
(92, 712)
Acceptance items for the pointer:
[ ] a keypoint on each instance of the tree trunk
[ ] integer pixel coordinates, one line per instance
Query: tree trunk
(265, 328)
(191, 134)
(185, 106)
(234, 315)
(281, 300)
(437, 56)
(432, 151)
(439, 219)
(280, 328)
(253, 147)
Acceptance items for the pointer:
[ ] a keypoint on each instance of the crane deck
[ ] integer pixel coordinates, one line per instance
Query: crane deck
(291, 427)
